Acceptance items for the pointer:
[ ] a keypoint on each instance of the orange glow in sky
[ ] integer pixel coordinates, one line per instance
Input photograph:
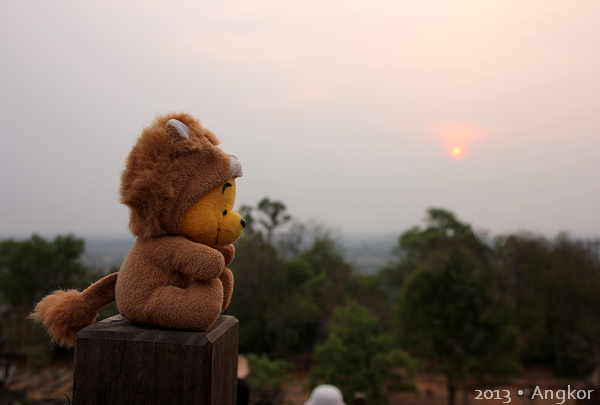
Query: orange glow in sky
(457, 138)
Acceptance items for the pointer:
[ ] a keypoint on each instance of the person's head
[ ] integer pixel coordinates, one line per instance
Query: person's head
(325, 394)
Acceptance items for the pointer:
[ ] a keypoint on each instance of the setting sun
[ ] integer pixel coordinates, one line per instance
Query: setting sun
(458, 138)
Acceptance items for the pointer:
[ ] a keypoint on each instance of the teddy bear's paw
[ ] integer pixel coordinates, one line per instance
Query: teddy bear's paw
(228, 253)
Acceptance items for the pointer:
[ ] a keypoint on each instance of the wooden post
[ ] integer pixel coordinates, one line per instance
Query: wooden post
(118, 362)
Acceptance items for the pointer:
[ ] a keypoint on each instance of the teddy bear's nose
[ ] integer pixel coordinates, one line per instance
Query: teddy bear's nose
(243, 222)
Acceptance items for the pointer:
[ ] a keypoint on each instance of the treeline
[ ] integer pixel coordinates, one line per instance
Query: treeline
(287, 288)
(30, 269)
(453, 301)
(475, 308)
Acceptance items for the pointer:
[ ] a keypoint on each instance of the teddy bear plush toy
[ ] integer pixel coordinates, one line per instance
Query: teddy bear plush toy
(180, 189)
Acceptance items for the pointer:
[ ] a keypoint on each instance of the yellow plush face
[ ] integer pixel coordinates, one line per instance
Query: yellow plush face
(211, 220)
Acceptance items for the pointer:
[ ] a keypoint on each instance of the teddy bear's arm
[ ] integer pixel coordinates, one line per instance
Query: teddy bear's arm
(227, 281)
(228, 253)
(195, 260)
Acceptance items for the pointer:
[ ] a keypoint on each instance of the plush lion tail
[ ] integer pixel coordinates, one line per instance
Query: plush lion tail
(65, 312)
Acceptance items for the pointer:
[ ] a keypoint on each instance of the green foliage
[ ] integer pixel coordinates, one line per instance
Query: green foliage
(324, 257)
(357, 356)
(448, 311)
(284, 302)
(254, 269)
(448, 314)
(29, 270)
(555, 287)
(442, 231)
(368, 291)
(277, 300)
(265, 372)
(462, 302)
(32, 268)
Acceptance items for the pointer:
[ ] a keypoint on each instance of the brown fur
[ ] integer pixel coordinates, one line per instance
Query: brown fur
(167, 279)
(65, 313)
(173, 282)
(164, 176)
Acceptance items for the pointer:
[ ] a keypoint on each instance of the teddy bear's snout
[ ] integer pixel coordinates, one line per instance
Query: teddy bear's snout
(243, 222)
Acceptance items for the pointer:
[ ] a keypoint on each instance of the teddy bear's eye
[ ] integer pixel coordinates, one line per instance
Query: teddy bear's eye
(224, 212)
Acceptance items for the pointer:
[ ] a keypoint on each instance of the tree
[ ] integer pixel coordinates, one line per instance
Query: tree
(32, 268)
(277, 298)
(295, 321)
(281, 302)
(368, 292)
(275, 216)
(287, 289)
(267, 375)
(357, 357)
(555, 288)
(256, 290)
(29, 270)
(449, 315)
(442, 231)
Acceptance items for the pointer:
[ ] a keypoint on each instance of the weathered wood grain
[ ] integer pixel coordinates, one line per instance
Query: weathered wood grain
(118, 362)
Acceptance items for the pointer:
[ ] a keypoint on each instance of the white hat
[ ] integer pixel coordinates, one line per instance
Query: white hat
(325, 394)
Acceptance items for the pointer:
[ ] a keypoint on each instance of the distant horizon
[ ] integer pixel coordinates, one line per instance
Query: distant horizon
(343, 234)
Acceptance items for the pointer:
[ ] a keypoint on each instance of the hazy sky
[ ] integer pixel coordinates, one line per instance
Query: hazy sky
(357, 114)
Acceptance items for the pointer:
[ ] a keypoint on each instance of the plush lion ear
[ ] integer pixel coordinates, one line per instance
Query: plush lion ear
(179, 127)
